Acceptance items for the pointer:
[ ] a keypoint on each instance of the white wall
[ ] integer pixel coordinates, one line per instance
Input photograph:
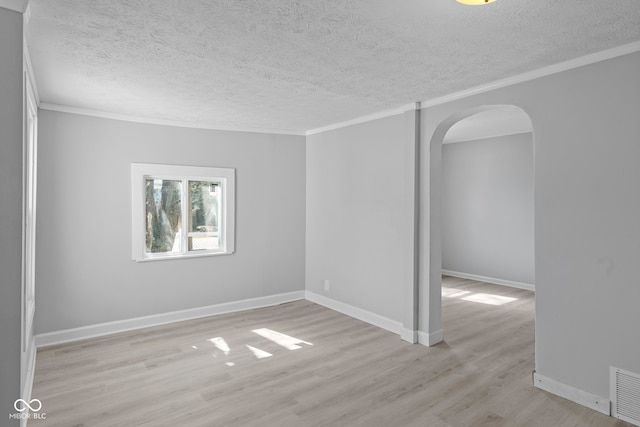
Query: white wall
(11, 112)
(587, 232)
(587, 205)
(487, 208)
(356, 208)
(85, 272)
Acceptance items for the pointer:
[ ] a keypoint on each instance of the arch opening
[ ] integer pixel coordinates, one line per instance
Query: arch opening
(472, 124)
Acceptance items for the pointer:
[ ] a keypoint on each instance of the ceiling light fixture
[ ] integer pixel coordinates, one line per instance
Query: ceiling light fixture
(475, 2)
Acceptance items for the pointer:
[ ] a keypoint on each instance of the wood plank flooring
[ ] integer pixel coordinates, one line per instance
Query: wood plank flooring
(300, 364)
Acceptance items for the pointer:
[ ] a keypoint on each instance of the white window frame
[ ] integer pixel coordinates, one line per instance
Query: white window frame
(225, 176)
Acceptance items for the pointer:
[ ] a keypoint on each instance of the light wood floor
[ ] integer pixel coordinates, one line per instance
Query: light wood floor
(309, 366)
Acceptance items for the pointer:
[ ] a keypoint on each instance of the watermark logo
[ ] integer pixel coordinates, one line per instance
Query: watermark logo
(22, 406)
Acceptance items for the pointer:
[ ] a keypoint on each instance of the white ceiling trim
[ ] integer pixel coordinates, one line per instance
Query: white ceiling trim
(535, 74)
(146, 120)
(15, 5)
(520, 78)
(367, 118)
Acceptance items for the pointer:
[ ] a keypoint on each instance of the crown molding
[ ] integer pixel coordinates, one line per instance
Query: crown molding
(497, 84)
(367, 118)
(15, 5)
(147, 120)
(535, 74)
(509, 81)
(414, 106)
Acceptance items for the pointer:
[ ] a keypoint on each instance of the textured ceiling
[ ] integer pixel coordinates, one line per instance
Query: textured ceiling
(300, 64)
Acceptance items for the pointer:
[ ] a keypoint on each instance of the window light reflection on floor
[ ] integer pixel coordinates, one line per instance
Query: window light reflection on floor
(489, 299)
(259, 354)
(453, 293)
(286, 341)
(283, 340)
(220, 344)
(484, 298)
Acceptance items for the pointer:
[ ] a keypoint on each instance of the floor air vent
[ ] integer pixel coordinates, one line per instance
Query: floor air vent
(625, 395)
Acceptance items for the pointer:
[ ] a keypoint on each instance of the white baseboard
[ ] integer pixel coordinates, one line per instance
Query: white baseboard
(430, 339)
(519, 285)
(92, 331)
(409, 335)
(358, 313)
(58, 337)
(573, 394)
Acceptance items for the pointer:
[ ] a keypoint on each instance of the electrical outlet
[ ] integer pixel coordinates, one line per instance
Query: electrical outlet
(327, 285)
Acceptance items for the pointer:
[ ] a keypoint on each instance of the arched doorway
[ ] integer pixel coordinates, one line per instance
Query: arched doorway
(509, 117)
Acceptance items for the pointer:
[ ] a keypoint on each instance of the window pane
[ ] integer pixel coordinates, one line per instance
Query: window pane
(204, 197)
(163, 215)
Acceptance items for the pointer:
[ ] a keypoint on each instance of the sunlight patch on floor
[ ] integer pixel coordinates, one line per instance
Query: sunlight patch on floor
(259, 354)
(283, 340)
(489, 299)
(483, 298)
(453, 293)
(286, 341)
(220, 344)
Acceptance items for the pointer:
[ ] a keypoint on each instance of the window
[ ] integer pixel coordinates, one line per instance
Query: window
(181, 211)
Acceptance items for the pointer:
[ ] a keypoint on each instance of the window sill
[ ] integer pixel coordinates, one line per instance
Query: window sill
(182, 256)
